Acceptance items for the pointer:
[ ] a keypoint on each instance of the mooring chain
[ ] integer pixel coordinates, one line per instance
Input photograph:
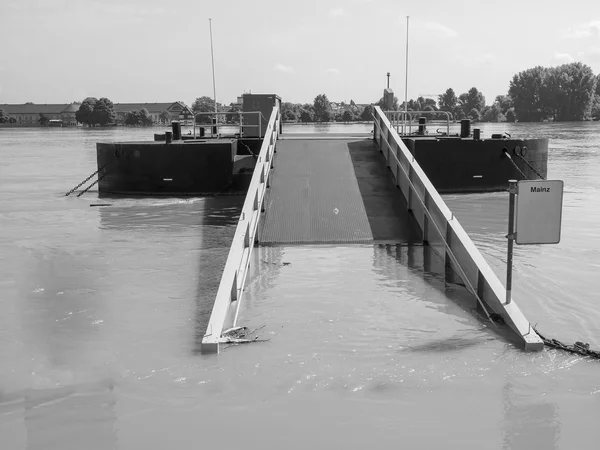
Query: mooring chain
(85, 181)
(579, 348)
(105, 167)
(530, 166)
(514, 164)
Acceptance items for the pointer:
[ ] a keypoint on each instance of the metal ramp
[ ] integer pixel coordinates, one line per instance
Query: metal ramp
(345, 190)
(333, 192)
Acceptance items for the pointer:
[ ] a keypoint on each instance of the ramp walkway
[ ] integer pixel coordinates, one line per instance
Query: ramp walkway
(327, 191)
(351, 189)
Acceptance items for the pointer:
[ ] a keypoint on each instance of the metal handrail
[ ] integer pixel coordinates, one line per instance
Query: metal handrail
(422, 197)
(392, 116)
(231, 288)
(216, 126)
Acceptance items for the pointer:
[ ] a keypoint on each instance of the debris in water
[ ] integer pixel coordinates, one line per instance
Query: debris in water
(241, 335)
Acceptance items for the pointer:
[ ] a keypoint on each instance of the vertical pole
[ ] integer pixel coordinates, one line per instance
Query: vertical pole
(388, 80)
(512, 189)
(213, 66)
(406, 82)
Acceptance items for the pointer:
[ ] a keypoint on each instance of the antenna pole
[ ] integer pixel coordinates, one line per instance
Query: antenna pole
(213, 64)
(406, 79)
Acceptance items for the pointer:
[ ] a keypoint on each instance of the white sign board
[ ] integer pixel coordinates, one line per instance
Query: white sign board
(539, 211)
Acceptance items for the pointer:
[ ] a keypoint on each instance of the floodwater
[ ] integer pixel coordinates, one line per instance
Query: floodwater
(102, 310)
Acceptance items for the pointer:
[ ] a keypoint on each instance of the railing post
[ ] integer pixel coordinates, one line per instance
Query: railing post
(426, 218)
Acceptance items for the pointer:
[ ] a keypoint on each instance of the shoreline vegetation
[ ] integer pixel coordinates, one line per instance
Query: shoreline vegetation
(569, 92)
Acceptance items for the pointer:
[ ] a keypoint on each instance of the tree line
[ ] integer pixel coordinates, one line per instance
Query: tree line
(93, 111)
(569, 92)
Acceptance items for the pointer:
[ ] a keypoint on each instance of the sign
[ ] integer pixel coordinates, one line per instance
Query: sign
(539, 211)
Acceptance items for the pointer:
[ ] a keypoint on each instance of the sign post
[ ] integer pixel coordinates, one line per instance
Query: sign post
(512, 190)
(538, 217)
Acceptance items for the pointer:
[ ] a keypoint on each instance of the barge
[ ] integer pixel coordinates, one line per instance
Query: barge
(209, 163)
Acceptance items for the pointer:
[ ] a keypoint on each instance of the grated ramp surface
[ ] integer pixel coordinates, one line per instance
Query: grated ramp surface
(314, 196)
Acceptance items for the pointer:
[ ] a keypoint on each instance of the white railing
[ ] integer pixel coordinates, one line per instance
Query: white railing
(231, 289)
(215, 125)
(442, 231)
(402, 121)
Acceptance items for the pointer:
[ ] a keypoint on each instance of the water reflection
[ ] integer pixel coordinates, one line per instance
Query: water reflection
(528, 423)
(62, 308)
(71, 417)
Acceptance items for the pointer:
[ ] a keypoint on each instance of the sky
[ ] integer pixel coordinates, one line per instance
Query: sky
(59, 51)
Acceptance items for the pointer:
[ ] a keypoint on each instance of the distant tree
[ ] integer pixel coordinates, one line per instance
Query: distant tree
(322, 108)
(568, 92)
(474, 115)
(367, 113)
(352, 103)
(448, 101)
(395, 106)
(505, 102)
(306, 115)
(429, 102)
(131, 118)
(471, 100)
(233, 118)
(526, 91)
(139, 118)
(104, 112)
(289, 116)
(145, 117)
(596, 103)
(326, 116)
(595, 113)
(4, 117)
(43, 120)
(347, 116)
(510, 115)
(29, 103)
(85, 112)
(203, 105)
(290, 111)
(164, 117)
(493, 114)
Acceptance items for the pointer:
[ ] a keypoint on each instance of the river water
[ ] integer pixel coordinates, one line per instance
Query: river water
(102, 310)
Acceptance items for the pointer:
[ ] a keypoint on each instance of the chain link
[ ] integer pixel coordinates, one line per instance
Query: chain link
(515, 165)
(579, 348)
(530, 166)
(86, 180)
(106, 171)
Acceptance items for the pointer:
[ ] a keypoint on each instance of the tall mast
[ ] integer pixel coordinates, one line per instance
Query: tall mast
(406, 76)
(213, 64)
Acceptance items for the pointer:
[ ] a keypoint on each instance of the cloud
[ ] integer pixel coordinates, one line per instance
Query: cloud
(593, 54)
(285, 69)
(590, 29)
(441, 30)
(476, 60)
(337, 12)
(333, 71)
(562, 58)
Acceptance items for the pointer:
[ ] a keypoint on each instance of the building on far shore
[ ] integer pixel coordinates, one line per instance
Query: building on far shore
(174, 111)
(29, 113)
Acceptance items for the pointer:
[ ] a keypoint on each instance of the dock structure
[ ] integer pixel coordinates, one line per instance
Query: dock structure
(352, 189)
